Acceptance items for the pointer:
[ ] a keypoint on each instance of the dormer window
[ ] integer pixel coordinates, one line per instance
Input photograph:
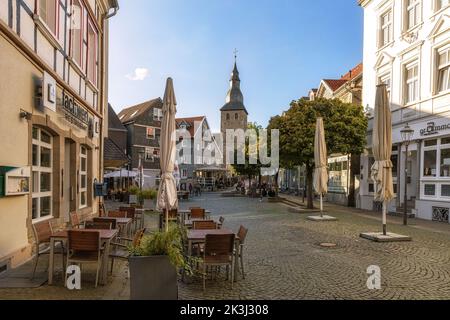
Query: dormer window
(157, 114)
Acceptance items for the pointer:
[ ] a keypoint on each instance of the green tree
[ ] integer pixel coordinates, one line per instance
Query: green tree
(345, 131)
(249, 170)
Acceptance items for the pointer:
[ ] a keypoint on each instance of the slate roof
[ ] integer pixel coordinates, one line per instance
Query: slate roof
(113, 152)
(114, 121)
(130, 114)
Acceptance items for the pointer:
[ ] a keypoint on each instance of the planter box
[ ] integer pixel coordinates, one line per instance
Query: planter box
(153, 278)
(133, 199)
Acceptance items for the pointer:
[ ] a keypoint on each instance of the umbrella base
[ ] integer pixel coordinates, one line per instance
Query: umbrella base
(322, 219)
(380, 237)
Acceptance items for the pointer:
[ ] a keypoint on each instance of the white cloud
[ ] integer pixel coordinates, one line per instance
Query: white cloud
(139, 74)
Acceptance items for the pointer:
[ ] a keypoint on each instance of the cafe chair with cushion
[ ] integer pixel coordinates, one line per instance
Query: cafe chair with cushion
(204, 225)
(117, 214)
(112, 222)
(218, 252)
(197, 213)
(42, 233)
(75, 221)
(84, 247)
(120, 250)
(242, 234)
(92, 225)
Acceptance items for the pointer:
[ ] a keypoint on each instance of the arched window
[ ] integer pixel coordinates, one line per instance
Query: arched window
(228, 116)
(236, 116)
(42, 174)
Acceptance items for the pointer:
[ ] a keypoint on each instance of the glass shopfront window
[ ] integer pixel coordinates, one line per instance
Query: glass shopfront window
(429, 164)
(436, 168)
(83, 177)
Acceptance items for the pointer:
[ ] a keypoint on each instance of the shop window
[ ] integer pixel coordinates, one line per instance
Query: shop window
(430, 143)
(445, 141)
(48, 12)
(430, 190)
(445, 163)
(83, 177)
(430, 157)
(445, 190)
(42, 174)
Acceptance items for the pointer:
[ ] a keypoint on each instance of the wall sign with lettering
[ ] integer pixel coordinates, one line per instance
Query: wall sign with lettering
(74, 113)
(433, 129)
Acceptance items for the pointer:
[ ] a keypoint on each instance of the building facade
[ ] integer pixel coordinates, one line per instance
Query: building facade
(53, 100)
(143, 124)
(407, 47)
(199, 155)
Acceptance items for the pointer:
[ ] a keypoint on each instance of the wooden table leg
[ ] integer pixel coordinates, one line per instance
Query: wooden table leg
(236, 261)
(51, 262)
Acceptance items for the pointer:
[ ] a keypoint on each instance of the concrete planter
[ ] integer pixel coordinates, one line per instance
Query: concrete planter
(133, 199)
(153, 278)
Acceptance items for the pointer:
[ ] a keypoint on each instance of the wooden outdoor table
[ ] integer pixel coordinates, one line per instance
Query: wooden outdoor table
(184, 214)
(105, 236)
(199, 236)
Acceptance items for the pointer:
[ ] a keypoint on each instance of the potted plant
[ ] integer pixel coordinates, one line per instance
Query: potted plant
(147, 197)
(154, 265)
(134, 192)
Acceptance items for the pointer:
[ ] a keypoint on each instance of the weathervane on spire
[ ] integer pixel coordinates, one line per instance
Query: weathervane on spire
(235, 54)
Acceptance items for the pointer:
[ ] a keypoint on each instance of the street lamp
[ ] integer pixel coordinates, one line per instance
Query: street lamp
(407, 135)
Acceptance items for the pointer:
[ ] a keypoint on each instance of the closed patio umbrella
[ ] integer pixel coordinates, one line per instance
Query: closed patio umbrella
(321, 161)
(382, 151)
(167, 193)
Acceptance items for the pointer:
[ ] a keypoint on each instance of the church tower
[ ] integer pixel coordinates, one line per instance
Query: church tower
(233, 114)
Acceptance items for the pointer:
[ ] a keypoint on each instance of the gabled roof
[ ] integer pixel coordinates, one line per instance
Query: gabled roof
(113, 120)
(190, 122)
(334, 84)
(352, 74)
(130, 114)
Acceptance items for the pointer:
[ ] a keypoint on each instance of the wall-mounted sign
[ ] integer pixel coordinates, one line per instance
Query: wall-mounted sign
(433, 129)
(49, 92)
(74, 113)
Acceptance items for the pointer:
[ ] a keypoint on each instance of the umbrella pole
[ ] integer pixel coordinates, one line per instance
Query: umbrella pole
(384, 218)
(321, 205)
(167, 217)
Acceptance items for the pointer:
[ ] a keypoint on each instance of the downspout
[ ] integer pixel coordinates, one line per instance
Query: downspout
(104, 98)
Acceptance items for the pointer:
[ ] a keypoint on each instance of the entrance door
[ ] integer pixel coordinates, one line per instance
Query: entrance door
(66, 182)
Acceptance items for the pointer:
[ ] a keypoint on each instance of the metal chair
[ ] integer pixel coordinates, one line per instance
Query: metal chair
(120, 250)
(84, 247)
(42, 233)
(242, 234)
(218, 252)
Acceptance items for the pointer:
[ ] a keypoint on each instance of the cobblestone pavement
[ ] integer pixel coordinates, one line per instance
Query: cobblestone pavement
(284, 259)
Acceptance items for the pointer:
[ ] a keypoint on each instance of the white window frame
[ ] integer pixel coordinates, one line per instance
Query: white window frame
(439, 180)
(439, 52)
(415, 7)
(383, 26)
(85, 174)
(407, 82)
(440, 5)
(157, 114)
(383, 79)
(36, 172)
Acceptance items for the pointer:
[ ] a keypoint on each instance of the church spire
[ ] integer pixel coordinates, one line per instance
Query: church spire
(235, 98)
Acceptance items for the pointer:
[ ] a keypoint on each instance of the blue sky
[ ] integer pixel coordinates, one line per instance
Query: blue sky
(285, 48)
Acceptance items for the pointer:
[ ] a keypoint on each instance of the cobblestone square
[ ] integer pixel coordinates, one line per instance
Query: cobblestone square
(285, 260)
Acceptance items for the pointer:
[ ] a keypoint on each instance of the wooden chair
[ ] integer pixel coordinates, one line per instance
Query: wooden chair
(96, 225)
(197, 213)
(120, 250)
(204, 225)
(117, 214)
(112, 222)
(75, 221)
(173, 217)
(242, 235)
(218, 252)
(131, 214)
(84, 247)
(42, 233)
